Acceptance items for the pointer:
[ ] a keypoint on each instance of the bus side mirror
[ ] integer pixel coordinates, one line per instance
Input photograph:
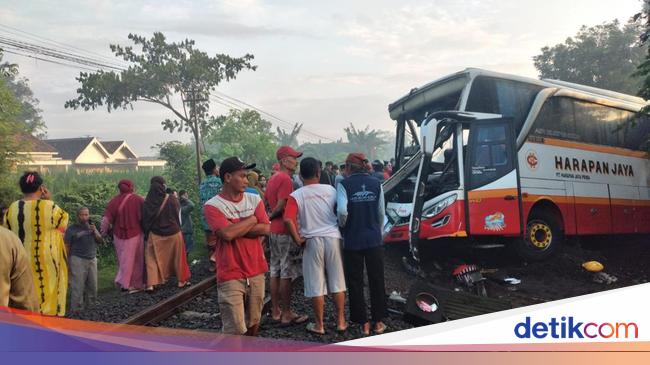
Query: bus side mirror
(428, 136)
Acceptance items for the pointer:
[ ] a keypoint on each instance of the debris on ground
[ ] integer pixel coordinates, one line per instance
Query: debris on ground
(397, 297)
(412, 268)
(604, 278)
(470, 276)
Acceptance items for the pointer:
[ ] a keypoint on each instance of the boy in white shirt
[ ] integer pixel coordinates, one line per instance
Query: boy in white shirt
(313, 208)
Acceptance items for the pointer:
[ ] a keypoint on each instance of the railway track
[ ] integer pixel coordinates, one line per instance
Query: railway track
(170, 306)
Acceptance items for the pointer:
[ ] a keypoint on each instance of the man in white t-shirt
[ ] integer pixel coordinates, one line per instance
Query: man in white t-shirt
(312, 207)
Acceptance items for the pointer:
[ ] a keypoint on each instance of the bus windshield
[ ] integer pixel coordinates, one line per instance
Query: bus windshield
(440, 95)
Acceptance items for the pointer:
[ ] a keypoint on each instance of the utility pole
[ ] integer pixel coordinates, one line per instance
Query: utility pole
(192, 97)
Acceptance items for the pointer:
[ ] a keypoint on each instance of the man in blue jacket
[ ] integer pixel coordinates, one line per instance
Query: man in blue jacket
(360, 209)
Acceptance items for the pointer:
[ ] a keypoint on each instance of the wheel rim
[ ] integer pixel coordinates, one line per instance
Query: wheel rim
(540, 235)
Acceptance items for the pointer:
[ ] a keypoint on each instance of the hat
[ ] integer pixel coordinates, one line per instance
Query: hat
(232, 164)
(285, 151)
(209, 166)
(356, 158)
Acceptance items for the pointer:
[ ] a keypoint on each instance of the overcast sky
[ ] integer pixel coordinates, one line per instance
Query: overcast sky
(322, 63)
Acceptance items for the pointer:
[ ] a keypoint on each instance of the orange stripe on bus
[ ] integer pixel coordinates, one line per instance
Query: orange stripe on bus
(634, 202)
(492, 193)
(558, 199)
(594, 148)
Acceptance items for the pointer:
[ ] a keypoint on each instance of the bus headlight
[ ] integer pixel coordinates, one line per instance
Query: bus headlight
(435, 209)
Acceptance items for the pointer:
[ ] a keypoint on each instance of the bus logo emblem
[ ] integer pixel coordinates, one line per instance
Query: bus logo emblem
(531, 160)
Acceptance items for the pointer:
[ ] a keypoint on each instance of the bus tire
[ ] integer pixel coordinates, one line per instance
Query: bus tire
(541, 238)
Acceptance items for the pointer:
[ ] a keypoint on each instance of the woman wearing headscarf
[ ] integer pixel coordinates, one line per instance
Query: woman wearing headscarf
(122, 217)
(164, 248)
(40, 224)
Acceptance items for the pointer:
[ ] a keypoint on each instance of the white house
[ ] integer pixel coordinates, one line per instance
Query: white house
(86, 154)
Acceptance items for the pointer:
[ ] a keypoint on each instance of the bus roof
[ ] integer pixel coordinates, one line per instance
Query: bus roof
(577, 90)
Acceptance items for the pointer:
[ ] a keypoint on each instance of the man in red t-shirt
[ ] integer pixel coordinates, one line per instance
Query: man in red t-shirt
(286, 260)
(239, 220)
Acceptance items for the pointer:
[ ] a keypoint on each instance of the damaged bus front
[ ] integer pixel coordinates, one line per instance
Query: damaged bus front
(436, 126)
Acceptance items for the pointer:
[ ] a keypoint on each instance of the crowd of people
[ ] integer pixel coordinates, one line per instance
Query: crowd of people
(323, 223)
(60, 259)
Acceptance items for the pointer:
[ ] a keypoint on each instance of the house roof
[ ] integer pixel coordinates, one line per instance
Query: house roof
(35, 144)
(69, 148)
(111, 146)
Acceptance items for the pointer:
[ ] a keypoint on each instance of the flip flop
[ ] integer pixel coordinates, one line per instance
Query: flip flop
(182, 285)
(342, 330)
(311, 327)
(298, 319)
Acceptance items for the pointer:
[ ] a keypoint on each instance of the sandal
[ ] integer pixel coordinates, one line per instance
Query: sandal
(297, 319)
(184, 284)
(311, 327)
(342, 329)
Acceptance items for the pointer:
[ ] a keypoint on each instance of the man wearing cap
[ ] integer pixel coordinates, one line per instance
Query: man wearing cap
(209, 188)
(285, 254)
(360, 209)
(238, 220)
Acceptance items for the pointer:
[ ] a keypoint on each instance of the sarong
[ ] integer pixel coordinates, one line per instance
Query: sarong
(165, 256)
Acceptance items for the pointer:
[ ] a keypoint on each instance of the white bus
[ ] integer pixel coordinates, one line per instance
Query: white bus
(496, 157)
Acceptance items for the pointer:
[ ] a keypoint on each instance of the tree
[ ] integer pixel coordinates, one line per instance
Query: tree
(159, 73)
(367, 141)
(643, 70)
(245, 134)
(603, 56)
(177, 171)
(30, 113)
(291, 138)
(10, 127)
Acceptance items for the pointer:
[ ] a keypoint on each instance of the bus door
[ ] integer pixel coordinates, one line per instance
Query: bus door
(492, 180)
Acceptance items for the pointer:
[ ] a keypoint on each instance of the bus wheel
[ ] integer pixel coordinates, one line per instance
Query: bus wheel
(541, 239)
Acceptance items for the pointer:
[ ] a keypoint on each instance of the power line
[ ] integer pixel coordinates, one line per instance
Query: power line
(54, 53)
(19, 47)
(46, 60)
(48, 41)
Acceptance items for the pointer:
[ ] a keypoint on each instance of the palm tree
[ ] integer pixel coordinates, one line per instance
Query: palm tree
(289, 139)
(367, 140)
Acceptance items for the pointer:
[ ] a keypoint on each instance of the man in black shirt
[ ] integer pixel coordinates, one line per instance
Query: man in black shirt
(81, 241)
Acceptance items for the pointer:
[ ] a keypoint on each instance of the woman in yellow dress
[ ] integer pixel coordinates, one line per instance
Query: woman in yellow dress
(40, 224)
